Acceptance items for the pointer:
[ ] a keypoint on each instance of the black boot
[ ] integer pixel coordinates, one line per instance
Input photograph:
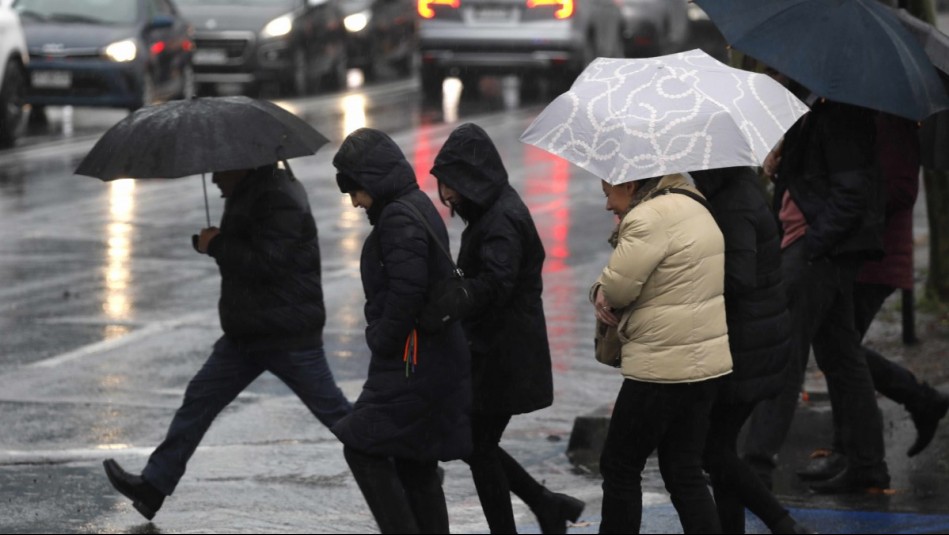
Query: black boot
(145, 498)
(926, 415)
(824, 464)
(556, 511)
(855, 480)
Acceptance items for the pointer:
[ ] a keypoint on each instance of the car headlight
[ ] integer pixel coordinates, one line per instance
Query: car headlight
(278, 27)
(357, 22)
(122, 51)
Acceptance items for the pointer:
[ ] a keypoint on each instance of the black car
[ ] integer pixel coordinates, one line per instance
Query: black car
(298, 46)
(110, 53)
(382, 35)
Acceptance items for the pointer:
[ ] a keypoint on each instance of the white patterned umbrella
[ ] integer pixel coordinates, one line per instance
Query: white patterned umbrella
(630, 119)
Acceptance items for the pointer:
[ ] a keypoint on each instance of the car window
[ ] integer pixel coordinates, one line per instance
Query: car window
(162, 7)
(92, 11)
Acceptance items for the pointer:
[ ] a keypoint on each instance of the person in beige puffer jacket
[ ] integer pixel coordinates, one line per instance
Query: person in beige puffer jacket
(663, 287)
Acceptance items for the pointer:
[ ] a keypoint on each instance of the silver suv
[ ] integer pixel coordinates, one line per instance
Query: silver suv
(555, 39)
(13, 58)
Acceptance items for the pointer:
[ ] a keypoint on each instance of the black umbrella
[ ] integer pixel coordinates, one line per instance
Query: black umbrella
(200, 135)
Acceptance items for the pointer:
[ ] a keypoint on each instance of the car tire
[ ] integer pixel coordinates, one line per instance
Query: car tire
(12, 97)
(431, 79)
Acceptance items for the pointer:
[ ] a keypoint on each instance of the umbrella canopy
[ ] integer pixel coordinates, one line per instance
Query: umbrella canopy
(852, 51)
(200, 135)
(630, 119)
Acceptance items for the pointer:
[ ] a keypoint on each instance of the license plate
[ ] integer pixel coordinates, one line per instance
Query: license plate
(51, 79)
(493, 14)
(211, 56)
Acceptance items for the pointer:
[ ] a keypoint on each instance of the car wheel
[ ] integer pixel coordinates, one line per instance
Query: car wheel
(12, 96)
(188, 88)
(431, 79)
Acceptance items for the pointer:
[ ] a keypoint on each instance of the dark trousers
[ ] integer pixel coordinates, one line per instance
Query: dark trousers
(496, 474)
(670, 418)
(821, 303)
(405, 496)
(889, 378)
(734, 485)
(227, 372)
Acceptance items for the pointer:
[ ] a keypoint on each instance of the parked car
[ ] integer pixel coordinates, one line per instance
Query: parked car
(298, 46)
(381, 34)
(654, 27)
(13, 61)
(109, 53)
(555, 39)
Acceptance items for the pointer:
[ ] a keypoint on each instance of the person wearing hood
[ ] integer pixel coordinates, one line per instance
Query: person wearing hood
(502, 259)
(759, 333)
(414, 407)
(663, 290)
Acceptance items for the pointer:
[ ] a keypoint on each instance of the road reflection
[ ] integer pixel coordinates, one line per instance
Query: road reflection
(117, 304)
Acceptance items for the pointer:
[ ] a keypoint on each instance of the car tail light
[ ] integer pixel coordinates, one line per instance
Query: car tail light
(564, 7)
(425, 6)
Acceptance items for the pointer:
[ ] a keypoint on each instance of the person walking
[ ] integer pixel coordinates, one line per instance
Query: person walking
(502, 258)
(272, 314)
(758, 335)
(899, 155)
(663, 290)
(414, 407)
(830, 194)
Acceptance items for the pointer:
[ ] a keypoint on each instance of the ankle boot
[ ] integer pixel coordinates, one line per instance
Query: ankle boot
(556, 510)
(926, 414)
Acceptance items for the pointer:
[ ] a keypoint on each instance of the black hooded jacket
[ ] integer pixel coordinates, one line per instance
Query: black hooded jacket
(502, 257)
(423, 413)
(269, 257)
(756, 305)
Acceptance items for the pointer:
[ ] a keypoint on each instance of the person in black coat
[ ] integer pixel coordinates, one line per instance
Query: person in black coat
(415, 404)
(272, 313)
(759, 332)
(502, 258)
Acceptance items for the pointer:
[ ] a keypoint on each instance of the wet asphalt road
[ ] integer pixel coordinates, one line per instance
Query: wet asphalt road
(106, 312)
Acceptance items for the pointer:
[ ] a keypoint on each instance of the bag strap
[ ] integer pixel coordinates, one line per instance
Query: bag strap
(431, 232)
(695, 196)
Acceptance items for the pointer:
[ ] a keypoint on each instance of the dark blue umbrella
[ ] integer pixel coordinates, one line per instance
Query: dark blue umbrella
(852, 51)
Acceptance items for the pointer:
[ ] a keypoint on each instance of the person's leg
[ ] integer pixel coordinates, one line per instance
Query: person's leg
(383, 491)
(423, 488)
(680, 454)
(308, 374)
(226, 373)
(638, 422)
(488, 472)
(552, 509)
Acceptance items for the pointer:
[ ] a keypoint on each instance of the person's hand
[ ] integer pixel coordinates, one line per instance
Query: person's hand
(771, 163)
(204, 239)
(603, 310)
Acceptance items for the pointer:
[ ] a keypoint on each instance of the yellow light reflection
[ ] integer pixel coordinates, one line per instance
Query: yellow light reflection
(117, 303)
(113, 446)
(354, 113)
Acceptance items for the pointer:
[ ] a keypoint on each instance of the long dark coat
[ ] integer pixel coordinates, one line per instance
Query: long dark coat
(502, 257)
(422, 414)
(756, 307)
(269, 257)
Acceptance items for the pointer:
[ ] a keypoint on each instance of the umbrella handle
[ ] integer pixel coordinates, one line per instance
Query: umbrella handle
(207, 211)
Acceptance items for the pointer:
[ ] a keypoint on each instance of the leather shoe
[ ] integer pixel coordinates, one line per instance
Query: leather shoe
(557, 510)
(824, 464)
(854, 480)
(927, 419)
(145, 498)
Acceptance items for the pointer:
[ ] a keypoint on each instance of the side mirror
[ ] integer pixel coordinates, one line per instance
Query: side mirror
(161, 21)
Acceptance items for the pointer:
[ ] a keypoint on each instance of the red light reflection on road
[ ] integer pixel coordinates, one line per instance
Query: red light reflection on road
(422, 160)
(546, 194)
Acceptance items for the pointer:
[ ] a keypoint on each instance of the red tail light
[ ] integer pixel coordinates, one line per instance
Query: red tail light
(425, 6)
(564, 7)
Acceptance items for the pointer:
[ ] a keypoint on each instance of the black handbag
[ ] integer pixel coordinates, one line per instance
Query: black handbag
(448, 298)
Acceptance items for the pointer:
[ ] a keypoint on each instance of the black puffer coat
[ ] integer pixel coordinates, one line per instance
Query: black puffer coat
(502, 258)
(269, 257)
(425, 415)
(755, 299)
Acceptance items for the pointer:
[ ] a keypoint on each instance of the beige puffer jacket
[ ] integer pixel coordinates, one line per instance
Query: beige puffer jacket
(668, 273)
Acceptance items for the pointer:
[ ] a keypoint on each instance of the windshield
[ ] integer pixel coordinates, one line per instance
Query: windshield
(288, 3)
(88, 11)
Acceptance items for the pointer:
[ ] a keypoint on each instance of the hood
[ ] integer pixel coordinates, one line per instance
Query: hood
(469, 163)
(371, 159)
(72, 36)
(224, 17)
